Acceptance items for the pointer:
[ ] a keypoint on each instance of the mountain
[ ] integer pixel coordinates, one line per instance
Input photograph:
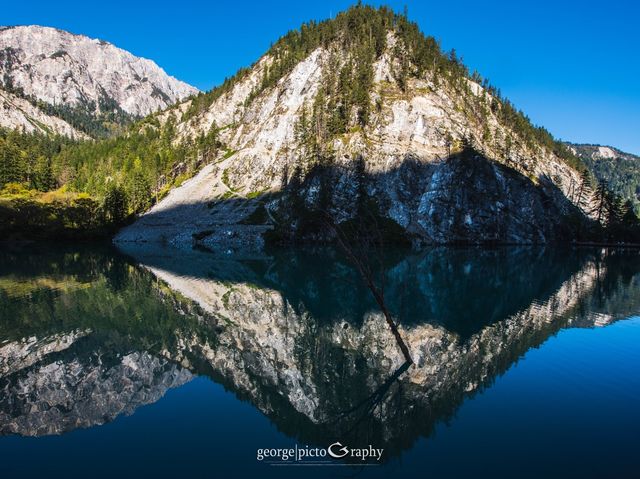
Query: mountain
(363, 113)
(620, 170)
(85, 81)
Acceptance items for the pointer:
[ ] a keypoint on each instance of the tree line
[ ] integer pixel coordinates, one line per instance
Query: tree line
(612, 218)
(93, 185)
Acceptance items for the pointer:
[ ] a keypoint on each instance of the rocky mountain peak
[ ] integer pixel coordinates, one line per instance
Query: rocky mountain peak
(364, 107)
(67, 72)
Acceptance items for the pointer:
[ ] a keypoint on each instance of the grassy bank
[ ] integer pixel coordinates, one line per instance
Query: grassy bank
(59, 214)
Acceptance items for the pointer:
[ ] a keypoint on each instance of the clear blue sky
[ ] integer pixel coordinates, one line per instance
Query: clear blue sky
(572, 66)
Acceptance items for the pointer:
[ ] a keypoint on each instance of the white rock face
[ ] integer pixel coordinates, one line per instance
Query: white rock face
(61, 68)
(18, 113)
(417, 123)
(605, 152)
(590, 152)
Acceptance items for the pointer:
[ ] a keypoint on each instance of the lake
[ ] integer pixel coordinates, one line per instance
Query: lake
(154, 362)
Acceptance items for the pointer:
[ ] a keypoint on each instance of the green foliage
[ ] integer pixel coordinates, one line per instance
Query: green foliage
(622, 173)
(202, 101)
(118, 176)
(29, 214)
(254, 194)
(140, 188)
(98, 120)
(115, 204)
(360, 30)
(359, 35)
(28, 159)
(614, 219)
(128, 173)
(144, 162)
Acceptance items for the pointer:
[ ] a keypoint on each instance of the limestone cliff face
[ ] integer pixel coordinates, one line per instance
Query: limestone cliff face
(66, 70)
(435, 156)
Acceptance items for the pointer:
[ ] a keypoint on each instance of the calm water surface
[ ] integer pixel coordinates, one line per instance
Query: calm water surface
(155, 363)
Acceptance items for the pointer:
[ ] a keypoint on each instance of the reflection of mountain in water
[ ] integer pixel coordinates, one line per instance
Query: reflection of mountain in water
(66, 391)
(294, 333)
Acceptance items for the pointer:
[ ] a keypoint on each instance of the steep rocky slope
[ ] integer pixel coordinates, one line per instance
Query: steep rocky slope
(73, 75)
(365, 112)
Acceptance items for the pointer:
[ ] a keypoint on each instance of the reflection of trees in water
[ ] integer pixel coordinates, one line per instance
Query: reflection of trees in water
(321, 378)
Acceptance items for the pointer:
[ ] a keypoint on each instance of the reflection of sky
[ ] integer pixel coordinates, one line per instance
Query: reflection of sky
(572, 403)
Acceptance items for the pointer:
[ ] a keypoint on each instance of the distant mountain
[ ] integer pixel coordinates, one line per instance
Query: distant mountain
(620, 170)
(88, 83)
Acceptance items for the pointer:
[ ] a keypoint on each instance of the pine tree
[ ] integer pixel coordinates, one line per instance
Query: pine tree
(115, 204)
(12, 164)
(140, 191)
(42, 177)
(600, 198)
(630, 220)
(614, 210)
(585, 192)
(138, 187)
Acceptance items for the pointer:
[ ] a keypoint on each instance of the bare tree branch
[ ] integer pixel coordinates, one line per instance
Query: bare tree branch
(370, 241)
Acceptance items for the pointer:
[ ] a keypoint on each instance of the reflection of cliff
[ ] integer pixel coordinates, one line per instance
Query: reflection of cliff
(300, 338)
(295, 335)
(73, 357)
(75, 389)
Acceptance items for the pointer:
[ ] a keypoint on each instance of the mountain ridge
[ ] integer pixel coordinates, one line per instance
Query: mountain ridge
(367, 84)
